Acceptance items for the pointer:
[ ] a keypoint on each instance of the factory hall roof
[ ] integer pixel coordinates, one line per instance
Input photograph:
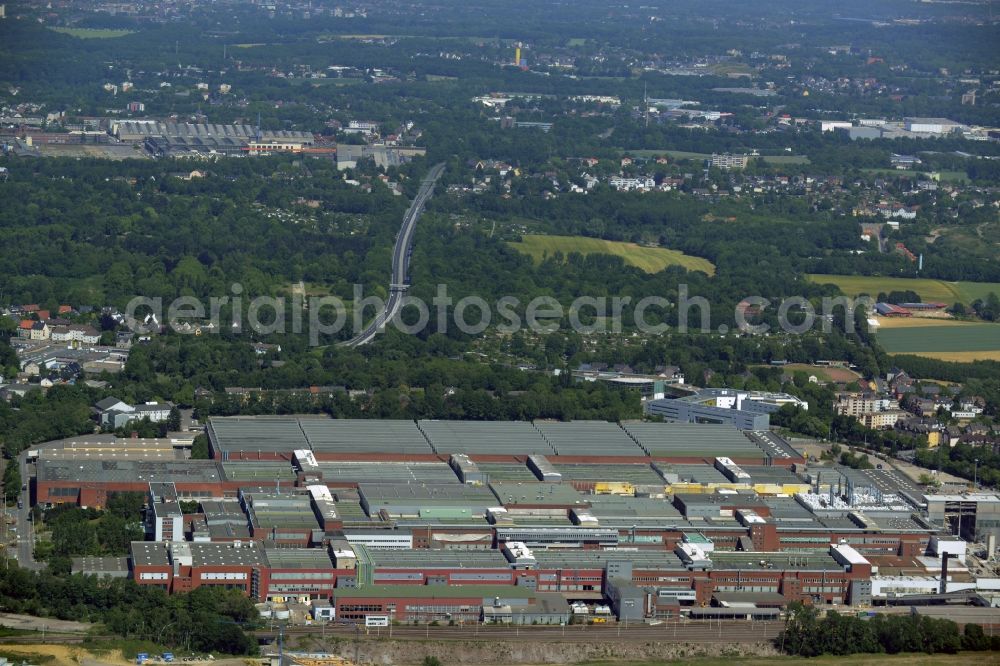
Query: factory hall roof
(695, 440)
(435, 592)
(345, 472)
(261, 434)
(454, 495)
(199, 554)
(298, 558)
(597, 559)
(588, 438)
(283, 435)
(639, 474)
(536, 493)
(485, 437)
(435, 559)
(364, 435)
(811, 561)
(125, 471)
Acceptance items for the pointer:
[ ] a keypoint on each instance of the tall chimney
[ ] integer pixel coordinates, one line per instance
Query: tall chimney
(944, 572)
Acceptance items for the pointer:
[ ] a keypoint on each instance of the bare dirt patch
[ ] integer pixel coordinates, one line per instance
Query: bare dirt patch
(32, 623)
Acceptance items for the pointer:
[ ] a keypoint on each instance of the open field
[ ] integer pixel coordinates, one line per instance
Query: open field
(963, 357)
(885, 323)
(956, 342)
(953, 176)
(824, 373)
(785, 159)
(93, 33)
(929, 289)
(649, 259)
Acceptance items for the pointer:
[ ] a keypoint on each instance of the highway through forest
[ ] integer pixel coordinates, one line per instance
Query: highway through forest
(398, 284)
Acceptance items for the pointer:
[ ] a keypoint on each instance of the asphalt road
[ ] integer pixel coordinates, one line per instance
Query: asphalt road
(687, 631)
(400, 260)
(24, 528)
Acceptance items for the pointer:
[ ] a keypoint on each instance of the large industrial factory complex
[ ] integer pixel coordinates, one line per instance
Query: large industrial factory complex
(521, 522)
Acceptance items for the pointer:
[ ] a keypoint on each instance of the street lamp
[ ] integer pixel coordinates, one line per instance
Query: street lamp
(975, 474)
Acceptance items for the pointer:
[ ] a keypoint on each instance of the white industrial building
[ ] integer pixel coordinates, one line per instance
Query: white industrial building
(931, 125)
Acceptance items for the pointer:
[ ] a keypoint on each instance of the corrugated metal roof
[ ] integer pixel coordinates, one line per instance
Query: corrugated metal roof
(588, 438)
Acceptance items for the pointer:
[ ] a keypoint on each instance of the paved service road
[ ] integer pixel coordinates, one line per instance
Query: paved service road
(687, 631)
(398, 283)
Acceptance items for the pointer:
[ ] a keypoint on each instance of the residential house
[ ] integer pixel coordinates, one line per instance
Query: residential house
(897, 211)
(103, 408)
(10, 391)
(114, 413)
(40, 331)
(123, 340)
(882, 420)
(76, 333)
(628, 184)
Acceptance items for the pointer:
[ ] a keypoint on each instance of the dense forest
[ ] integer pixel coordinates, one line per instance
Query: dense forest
(807, 635)
(209, 619)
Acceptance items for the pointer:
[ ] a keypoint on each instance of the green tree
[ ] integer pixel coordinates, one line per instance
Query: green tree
(199, 450)
(11, 480)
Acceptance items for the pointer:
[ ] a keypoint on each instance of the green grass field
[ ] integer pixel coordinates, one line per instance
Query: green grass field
(93, 33)
(649, 259)
(916, 339)
(785, 159)
(929, 290)
(954, 176)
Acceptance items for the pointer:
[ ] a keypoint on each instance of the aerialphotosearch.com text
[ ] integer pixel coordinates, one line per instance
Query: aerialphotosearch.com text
(321, 317)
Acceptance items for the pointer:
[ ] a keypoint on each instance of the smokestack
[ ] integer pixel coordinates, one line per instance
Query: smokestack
(944, 572)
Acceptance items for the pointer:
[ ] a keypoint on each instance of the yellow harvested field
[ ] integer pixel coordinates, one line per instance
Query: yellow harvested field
(960, 357)
(649, 259)
(919, 322)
